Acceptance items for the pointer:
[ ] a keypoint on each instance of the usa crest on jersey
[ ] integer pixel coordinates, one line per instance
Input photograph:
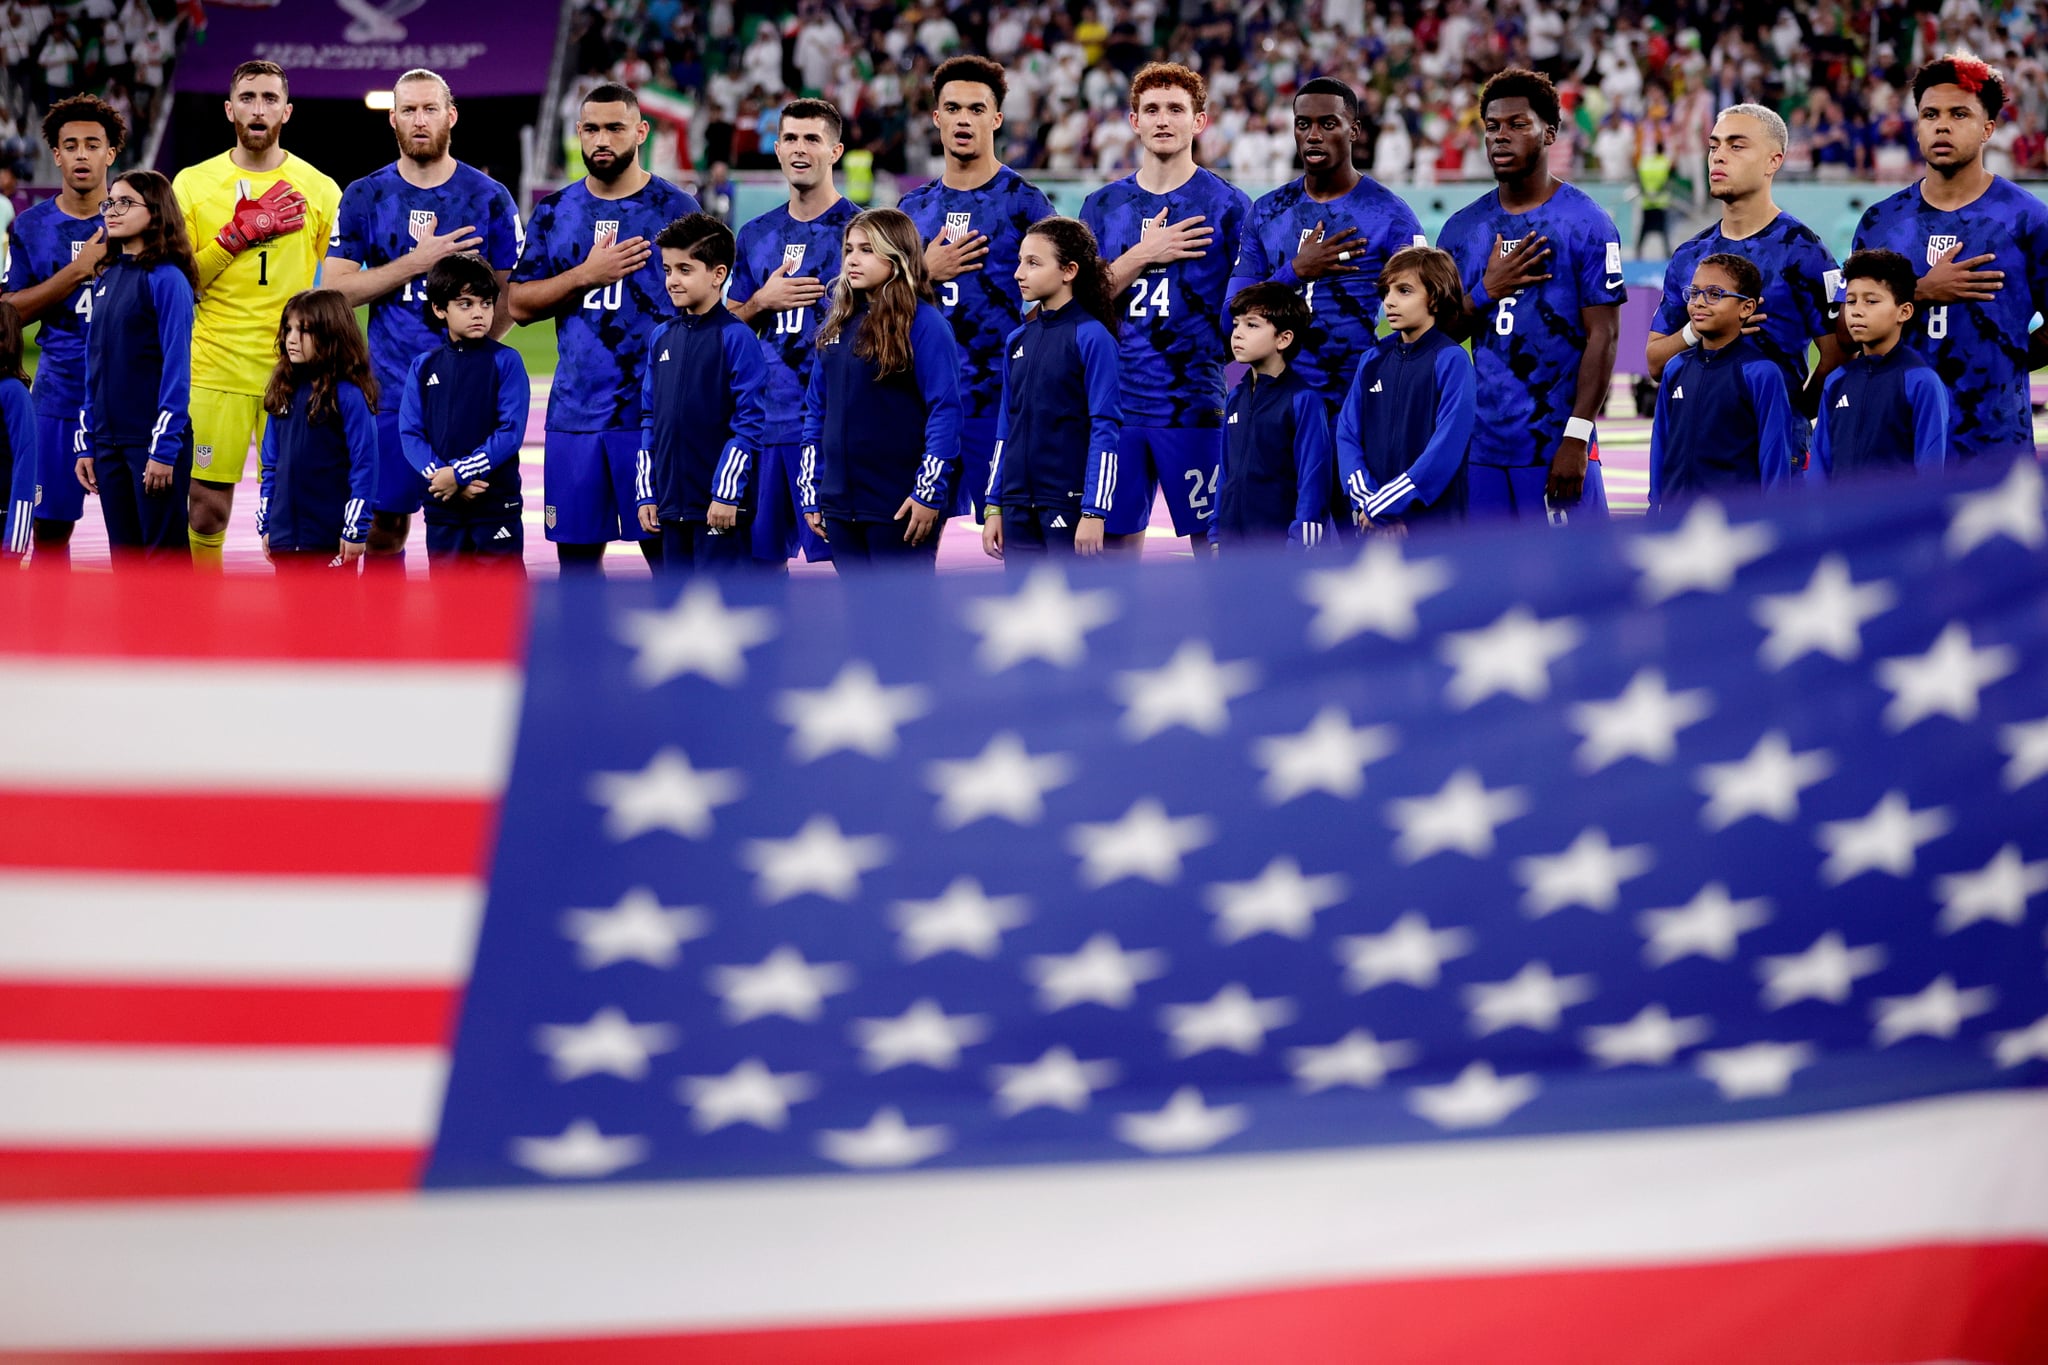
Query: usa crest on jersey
(1938, 244)
(793, 256)
(420, 223)
(1507, 248)
(604, 232)
(957, 226)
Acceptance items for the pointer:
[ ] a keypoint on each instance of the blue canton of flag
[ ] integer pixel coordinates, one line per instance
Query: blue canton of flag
(1739, 816)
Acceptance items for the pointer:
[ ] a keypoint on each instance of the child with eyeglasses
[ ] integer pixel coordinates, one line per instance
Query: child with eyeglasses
(1724, 419)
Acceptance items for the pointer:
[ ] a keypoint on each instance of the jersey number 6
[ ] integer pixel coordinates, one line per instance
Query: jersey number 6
(1504, 317)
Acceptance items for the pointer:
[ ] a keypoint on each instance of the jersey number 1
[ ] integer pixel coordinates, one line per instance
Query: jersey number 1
(263, 268)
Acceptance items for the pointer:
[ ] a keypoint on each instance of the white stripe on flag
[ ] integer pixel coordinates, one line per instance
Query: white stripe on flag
(94, 1096)
(219, 930)
(717, 1254)
(383, 728)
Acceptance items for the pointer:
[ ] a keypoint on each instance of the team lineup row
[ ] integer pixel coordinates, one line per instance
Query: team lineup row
(1133, 403)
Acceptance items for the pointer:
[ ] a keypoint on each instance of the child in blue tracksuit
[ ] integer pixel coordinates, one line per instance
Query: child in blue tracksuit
(1886, 409)
(138, 372)
(1724, 419)
(1273, 478)
(1053, 478)
(320, 444)
(881, 433)
(461, 421)
(1406, 424)
(17, 441)
(704, 409)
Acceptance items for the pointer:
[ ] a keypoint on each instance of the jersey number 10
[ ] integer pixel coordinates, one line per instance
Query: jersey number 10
(789, 322)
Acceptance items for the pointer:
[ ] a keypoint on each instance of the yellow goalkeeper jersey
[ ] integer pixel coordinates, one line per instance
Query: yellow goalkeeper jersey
(234, 331)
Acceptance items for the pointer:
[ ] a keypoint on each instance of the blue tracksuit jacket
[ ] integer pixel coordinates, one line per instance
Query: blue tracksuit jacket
(703, 415)
(870, 439)
(18, 457)
(1887, 413)
(138, 346)
(1405, 428)
(1724, 422)
(1274, 476)
(465, 407)
(318, 477)
(1060, 420)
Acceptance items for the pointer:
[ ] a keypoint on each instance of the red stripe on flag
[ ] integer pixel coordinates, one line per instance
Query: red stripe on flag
(223, 617)
(209, 1015)
(1986, 1304)
(30, 1175)
(183, 831)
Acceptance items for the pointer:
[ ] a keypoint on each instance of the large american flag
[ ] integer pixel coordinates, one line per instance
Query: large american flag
(1622, 945)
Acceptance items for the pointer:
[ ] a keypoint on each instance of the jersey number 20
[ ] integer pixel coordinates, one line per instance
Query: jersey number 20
(608, 298)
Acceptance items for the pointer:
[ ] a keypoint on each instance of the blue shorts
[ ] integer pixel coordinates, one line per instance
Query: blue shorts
(779, 529)
(400, 488)
(59, 494)
(1496, 492)
(977, 452)
(492, 540)
(587, 478)
(1181, 460)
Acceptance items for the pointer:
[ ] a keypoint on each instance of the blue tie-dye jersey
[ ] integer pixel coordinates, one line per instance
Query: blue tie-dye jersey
(1800, 288)
(787, 335)
(41, 242)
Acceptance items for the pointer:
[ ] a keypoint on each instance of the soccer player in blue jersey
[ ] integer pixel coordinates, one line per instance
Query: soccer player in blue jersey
(973, 219)
(1985, 243)
(395, 224)
(1170, 233)
(589, 263)
(1744, 152)
(52, 251)
(1541, 262)
(787, 256)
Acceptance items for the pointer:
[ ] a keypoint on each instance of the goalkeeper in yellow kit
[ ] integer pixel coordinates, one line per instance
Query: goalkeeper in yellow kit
(259, 219)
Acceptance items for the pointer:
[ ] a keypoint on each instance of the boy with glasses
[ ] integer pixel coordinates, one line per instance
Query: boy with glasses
(1724, 418)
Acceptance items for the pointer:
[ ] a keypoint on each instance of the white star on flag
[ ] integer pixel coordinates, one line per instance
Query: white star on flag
(1057, 1080)
(1378, 592)
(2025, 745)
(886, 1141)
(964, 919)
(610, 1044)
(1643, 722)
(1708, 925)
(1357, 1059)
(1825, 617)
(1757, 1071)
(1329, 756)
(1102, 972)
(1512, 655)
(1703, 555)
(781, 983)
(1143, 842)
(1945, 681)
(819, 858)
(2028, 1044)
(1478, 1098)
(854, 712)
(1826, 971)
(1409, 951)
(1461, 816)
(638, 929)
(1004, 780)
(580, 1152)
(667, 794)
(1938, 1011)
(1888, 839)
(1044, 619)
(1186, 1124)
(1999, 890)
(1230, 1020)
(1589, 873)
(1532, 998)
(698, 634)
(923, 1035)
(749, 1093)
(2012, 508)
(1651, 1038)
(1766, 782)
(1280, 900)
(1191, 689)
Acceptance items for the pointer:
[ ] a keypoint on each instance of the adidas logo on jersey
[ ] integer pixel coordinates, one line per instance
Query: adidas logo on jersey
(1059, 523)
(504, 533)
(1376, 387)
(1843, 401)
(432, 380)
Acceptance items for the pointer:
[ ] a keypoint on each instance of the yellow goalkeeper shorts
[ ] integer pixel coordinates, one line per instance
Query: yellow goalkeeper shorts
(223, 426)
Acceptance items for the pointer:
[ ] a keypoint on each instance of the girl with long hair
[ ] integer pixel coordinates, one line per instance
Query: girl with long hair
(320, 444)
(1054, 477)
(138, 371)
(17, 441)
(881, 442)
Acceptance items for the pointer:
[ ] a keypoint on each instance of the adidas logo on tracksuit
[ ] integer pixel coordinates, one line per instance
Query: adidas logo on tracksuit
(1843, 401)
(432, 380)
(1375, 387)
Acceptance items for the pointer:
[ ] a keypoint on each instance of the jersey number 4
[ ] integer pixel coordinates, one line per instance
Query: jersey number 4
(1148, 298)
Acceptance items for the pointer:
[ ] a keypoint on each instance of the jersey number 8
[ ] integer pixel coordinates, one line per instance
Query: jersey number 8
(609, 298)
(1937, 323)
(1147, 298)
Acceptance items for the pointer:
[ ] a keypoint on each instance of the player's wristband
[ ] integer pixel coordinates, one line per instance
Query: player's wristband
(1689, 336)
(1578, 429)
(1480, 298)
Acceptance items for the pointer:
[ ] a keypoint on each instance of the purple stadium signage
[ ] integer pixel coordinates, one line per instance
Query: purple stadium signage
(347, 47)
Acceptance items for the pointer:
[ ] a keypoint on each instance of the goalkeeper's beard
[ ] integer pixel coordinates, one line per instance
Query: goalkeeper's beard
(257, 144)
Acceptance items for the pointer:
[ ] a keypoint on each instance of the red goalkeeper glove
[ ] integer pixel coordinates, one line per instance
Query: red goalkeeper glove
(278, 210)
